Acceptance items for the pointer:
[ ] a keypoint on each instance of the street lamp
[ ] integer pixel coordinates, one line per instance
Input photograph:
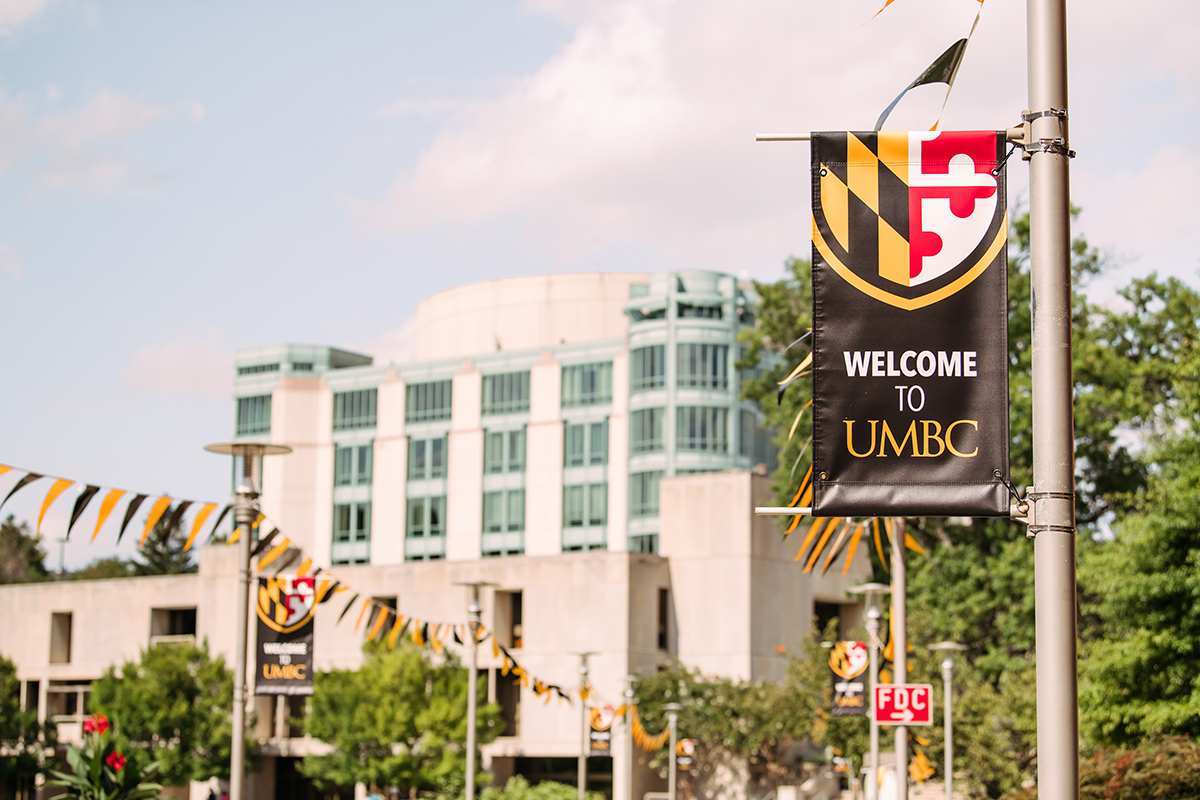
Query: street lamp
(872, 592)
(583, 723)
(672, 710)
(245, 512)
(629, 701)
(948, 679)
(474, 613)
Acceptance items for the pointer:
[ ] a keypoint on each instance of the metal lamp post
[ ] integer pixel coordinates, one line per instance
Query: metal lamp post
(872, 592)
(672, 710)
(245, 512)
(948, 681)
(474, 615)
(630, 680)
(583, 723)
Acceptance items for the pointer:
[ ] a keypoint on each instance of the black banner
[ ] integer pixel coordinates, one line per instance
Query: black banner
(848, 662)
(910, 327)
(600, 735)
(285, 635)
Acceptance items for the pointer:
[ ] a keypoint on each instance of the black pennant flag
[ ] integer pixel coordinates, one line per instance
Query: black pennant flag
(81, 503)
(942, 70)
(21, 484)
(129, 512)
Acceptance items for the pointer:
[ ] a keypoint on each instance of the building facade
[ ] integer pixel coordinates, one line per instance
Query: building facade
(576, 441)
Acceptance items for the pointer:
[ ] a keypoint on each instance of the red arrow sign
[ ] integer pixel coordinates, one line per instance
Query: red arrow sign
(904, 705)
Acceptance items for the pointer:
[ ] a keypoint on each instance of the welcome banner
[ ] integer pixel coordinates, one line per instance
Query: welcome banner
(286, 605)
(848, 666)
(910, 333)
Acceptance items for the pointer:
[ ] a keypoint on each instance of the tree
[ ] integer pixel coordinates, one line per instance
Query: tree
(22, 739)
(103, 569)
(22, 559)
(518, 788)
(400, 720)
(175, 706)
(163, 553)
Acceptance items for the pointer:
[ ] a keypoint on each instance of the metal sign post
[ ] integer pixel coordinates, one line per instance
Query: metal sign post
(900, 648)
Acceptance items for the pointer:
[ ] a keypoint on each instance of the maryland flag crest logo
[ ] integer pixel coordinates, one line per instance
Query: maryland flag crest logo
(287, 603)
(909, 218)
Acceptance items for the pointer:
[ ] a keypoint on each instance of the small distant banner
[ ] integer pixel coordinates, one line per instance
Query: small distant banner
(285, 608)
(910, 324)
(685, 750)
(848, 662)
(600, 735)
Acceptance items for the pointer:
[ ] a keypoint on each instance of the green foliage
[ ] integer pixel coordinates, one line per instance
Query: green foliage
(22, 559)
(22, 739)
(163, 553)
(99, 770)
(103, 569)
(518, 788)
(1161, 769)
(175, 707)
(400, 720)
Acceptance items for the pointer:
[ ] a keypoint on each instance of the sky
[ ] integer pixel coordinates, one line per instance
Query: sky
(178, 181)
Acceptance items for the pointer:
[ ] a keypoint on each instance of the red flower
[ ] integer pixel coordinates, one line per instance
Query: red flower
(116, 761)
(97, 723)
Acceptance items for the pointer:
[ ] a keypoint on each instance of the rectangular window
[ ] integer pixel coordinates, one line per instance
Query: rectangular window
(664, 599)
(646, 430)
(257, 369)
(585, 444)
(503, 451)
(426, 516)
(573, 506)
(354, 410)
(687, 311)
(702, 366)
(508, 697)
(437, 458)
(644, 543)
(253, 415)
(302, 366)
(353, 465)
(648, 368)
(506, 394)
(597, 504)
(587, 384)
(351, 524)
(643, 493)
(60, 638)
(504, 511)
(416, 459)
(425, 402)
(516, 616)
(702, 428)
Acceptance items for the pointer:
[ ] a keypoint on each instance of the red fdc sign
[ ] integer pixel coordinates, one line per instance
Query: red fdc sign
(904, 705)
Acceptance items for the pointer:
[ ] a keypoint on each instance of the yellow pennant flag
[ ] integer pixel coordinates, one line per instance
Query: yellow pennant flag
(395, 630)
(366, 604)
(379, 620)
(60, 486)
(156, 511)
(106, 507)
(197, 523)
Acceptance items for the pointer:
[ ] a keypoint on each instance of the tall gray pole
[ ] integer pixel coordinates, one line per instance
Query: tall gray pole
(1053, 423)
(584, 727)
(672, 726)
(473, 612)
(948, 723)
(629, 736)
(900, 649)
(244, 515)
(872, 786)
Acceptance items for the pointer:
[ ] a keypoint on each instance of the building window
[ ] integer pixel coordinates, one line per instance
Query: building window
(60, 637)
(648, 368)
(353, 410)
(643, 493)
(506, 394)
(426, 402)
(427, 459)
(516, 618)
(702, 428)
(258, 368)
(172, 622)
(754, 441)
(504, 523)
(585, 506)
(426, 529)
(353, 465)
(585, 444)
(253, 415)
(664, 599)
(503, 451)
(702, 366)
(302, 366)
(646, 430)
(587, 384)
(644, 543)
(688, 311)
(351, 526)
(508, 697)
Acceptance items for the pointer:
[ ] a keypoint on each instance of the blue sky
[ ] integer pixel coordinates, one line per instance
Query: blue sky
(181, 180)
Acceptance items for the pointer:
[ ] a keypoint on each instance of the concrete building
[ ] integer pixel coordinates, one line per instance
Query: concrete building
(576, 440)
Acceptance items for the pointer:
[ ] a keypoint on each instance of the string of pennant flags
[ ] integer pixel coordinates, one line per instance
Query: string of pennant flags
(386, 624)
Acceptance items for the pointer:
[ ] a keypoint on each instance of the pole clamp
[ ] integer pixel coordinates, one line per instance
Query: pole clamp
(1057, 146)
(1034, 530)
(1035, 496)
(1030, 116)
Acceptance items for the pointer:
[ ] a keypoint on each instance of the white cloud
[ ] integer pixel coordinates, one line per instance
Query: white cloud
(640, 130)
(87, 146)
(195, 366)
(15, 12)
(390, 347)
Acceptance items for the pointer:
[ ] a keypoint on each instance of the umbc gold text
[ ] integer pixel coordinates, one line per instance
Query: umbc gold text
(926, 433)
(294, 672)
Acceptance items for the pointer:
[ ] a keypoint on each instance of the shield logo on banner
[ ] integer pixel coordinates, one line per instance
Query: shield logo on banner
(848, 659)
(287, 603)
(909, 217)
